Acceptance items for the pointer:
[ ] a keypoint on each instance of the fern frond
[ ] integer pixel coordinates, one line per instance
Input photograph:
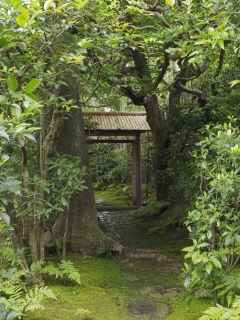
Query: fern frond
(35, 297)
(65, 269)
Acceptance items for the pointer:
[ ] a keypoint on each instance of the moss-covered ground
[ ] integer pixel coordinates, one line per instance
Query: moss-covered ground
(105, 293)
(116, 197)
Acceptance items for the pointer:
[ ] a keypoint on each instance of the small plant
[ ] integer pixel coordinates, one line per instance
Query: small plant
(223, 313)
(8, 313)
(127, 191)
(107, 250)
(65, 270)
(153, 209)
(84, 312)
(170, 218)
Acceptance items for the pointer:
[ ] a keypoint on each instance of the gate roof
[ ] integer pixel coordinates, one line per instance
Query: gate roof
(115, 123)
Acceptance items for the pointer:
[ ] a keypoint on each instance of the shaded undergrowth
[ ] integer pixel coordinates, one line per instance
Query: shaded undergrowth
(105, 293)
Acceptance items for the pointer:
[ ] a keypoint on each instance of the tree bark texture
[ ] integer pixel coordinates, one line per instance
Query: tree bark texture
(84, 234)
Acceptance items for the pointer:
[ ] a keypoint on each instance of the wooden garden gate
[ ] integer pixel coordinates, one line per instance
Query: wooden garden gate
(112, 124)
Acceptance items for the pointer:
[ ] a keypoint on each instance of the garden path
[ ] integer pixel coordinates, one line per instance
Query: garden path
(146, 262)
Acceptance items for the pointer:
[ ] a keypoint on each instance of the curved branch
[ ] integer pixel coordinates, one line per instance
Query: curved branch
(137, 99)
(197, 93)
(161, 74)
(142, 28)
(156, 10)
(161, 18)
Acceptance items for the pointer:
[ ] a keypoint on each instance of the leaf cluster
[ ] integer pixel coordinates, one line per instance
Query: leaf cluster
(214, 222)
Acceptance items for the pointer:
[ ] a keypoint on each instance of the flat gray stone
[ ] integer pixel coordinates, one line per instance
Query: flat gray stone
(148, 309)
(161, 291)
(130, 276)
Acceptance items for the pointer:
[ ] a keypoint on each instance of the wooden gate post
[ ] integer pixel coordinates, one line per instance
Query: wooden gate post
(137, 171)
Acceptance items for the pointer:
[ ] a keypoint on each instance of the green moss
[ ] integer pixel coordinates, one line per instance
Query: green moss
(105, 294)
(116, 198)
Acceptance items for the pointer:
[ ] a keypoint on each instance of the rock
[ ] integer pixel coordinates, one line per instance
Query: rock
(161, 291)
(148, 309)
(130, 276)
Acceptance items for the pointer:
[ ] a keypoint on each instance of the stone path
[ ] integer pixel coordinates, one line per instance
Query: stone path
(144, 265)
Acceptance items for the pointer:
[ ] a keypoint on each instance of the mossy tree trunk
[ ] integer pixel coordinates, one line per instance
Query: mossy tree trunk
(84, 234)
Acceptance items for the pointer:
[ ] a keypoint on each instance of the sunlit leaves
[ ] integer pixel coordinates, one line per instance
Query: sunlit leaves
(215, 218)
(3, 42)
(48, 4)
(25, 13)
(3, 133)
(32, 85)
(170, 2)
(234, 82)
(12, 82)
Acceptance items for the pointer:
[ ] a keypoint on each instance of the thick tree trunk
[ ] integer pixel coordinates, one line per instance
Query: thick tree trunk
(84, 234)
(161, 140)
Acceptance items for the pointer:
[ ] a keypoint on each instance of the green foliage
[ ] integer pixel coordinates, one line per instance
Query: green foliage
(223, 313)
(214, 223)
(65, 177)
(170, 218)
(84, 312)
(15, 296)
(153, 209)
(65, 270)
(110, 164)
(8, 313)
(107, 250)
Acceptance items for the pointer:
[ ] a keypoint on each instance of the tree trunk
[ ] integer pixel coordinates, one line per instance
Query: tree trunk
(84, 234)
(161, 140)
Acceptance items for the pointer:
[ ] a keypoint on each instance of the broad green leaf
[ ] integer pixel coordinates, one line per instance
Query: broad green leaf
(195, 256)
(7, 228)
(64, 202)
(29, 136)
(221, 44)
(30, 109)
(47, 4)
(3, 42)
(5, 158)
(5, 217)
(3, 99)
(10, 274)
(21, 21)
(187, 282)
(234, 82)
(203, 41)
(216, 263)
(32, 85)
(25, 13)
(17, 94)
(4, 134)
(170, 2)
(30, 97)
(12, 82)
(60, 8)
(16, 109)
(208, 267)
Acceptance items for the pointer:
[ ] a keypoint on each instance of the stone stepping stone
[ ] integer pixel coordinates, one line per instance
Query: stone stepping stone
(161, 291)
(148, 309)
(130, 276)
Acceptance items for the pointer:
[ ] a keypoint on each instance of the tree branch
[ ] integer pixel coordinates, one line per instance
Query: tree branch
(197, 93)
(137, 99)
(161, 73)
(219, 68)
(162, 19)
(142, 28)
